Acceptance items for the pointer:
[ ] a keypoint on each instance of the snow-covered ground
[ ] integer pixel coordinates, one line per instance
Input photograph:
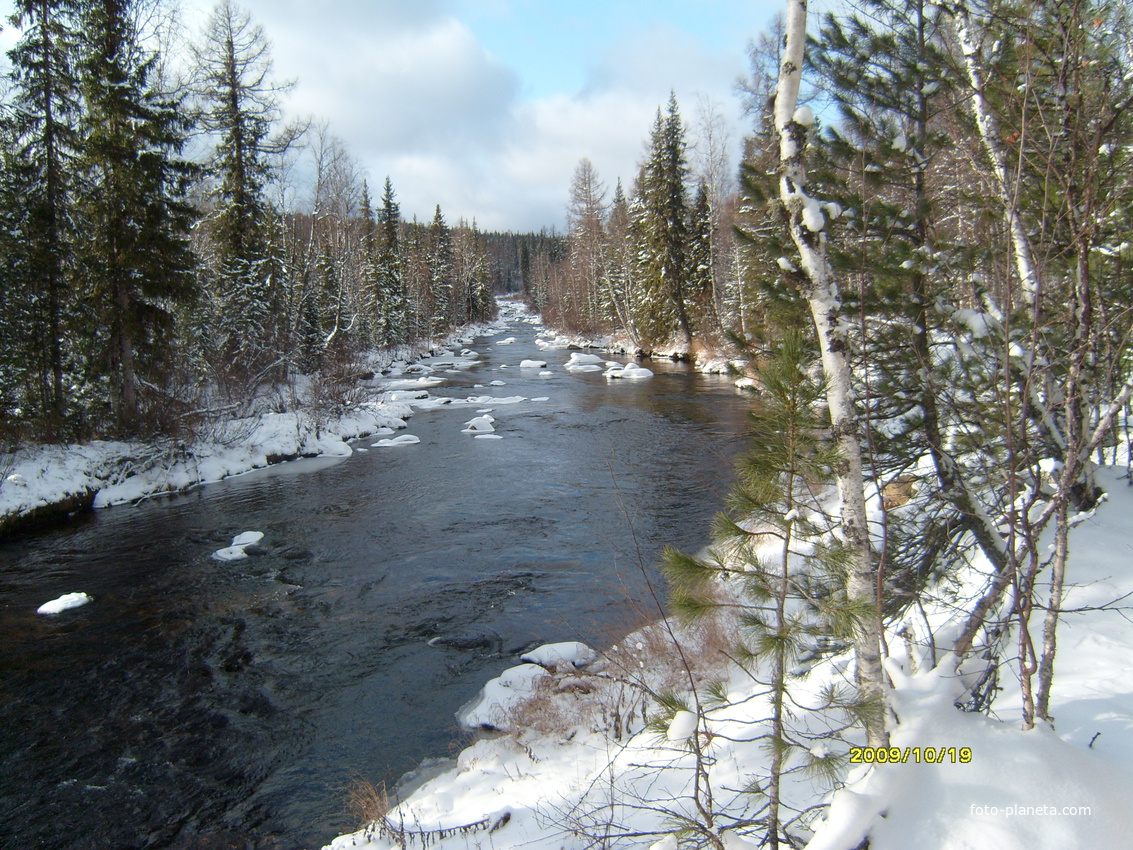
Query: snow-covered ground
(574, 764)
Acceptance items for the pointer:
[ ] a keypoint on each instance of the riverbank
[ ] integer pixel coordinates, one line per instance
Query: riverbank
(585, 753)
(42, 484)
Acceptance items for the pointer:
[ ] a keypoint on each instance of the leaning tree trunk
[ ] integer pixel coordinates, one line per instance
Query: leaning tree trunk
(806, 221)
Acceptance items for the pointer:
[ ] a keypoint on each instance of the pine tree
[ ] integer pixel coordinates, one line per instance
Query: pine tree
(40, 168)
(775, 566)
(135, 216)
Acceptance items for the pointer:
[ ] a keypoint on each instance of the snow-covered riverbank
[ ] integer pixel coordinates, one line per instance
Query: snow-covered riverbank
(575, 764)
(41, 482)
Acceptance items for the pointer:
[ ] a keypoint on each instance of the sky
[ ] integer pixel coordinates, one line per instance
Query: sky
(486, 106)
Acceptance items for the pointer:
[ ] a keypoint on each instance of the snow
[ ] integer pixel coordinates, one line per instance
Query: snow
(682, 726)
(64, 603)
(533, 364)
(804, 115)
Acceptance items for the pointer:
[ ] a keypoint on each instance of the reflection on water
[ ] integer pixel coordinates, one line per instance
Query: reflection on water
(200, 704)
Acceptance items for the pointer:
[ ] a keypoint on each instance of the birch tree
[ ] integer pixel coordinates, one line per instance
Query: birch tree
(806, 222)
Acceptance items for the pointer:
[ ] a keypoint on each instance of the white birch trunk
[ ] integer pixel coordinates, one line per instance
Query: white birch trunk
(989, 135)
(807, 221)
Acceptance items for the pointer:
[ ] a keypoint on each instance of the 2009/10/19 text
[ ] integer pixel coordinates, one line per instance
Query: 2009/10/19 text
(902, 755)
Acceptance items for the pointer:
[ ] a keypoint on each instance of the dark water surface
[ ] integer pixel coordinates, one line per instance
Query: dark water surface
(198, 704)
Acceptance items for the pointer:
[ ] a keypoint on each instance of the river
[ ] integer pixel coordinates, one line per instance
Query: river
(199, 704)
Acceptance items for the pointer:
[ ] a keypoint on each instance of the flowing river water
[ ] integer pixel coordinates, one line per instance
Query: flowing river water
(198, 704)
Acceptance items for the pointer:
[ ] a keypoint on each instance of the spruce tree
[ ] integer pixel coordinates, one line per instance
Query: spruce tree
(440, 261)
(40, 170)
(663, 229)
(136, 258)
(394, 328)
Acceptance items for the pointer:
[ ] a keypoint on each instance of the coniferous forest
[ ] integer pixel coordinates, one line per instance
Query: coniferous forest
(158, 259)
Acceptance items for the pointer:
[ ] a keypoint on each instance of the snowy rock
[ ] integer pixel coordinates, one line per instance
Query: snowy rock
(247, 538)
(237, 549)
(229, 553)
(577, 358)
(551, 655)
(403, 440)
(533, 364)
(631, 372)
(487, 437)
(479, 425)
(498, 384)
(64, 603)
(507, 341)
(496, 699)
